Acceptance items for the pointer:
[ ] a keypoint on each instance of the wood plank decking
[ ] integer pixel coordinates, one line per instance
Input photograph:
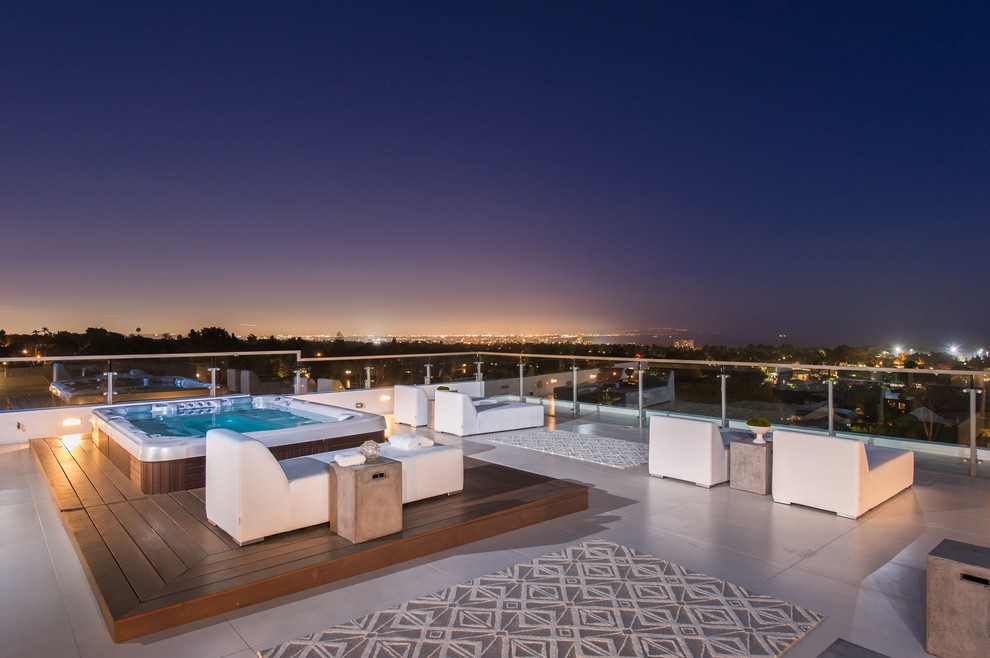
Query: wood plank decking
(154, 561)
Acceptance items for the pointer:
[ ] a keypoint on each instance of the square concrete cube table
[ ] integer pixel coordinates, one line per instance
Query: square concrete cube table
(366, 500)
(751, 466)
(958, 603)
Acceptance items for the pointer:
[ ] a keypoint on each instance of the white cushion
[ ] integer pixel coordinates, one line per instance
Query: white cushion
(409, 441)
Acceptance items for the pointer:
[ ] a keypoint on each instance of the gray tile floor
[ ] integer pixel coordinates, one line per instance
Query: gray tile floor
(867, 575)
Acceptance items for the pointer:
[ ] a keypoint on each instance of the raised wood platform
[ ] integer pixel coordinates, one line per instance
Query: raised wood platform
(154, 562)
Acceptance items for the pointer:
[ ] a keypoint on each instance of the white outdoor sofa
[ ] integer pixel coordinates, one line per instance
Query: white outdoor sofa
(457, 413)
(692, 450)
(250, 495)
(412, 402)
(839, 475)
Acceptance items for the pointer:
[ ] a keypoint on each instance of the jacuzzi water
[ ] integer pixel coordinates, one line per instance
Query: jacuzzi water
(239, 420)
(163, 431)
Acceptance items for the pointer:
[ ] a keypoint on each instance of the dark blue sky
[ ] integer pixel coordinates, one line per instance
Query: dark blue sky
(739, 169)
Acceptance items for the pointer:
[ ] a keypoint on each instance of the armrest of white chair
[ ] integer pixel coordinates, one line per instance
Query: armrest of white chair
(412, 405)
(247, 492)
(454, 413)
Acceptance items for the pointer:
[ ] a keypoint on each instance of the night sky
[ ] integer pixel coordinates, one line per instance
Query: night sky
(741, 170)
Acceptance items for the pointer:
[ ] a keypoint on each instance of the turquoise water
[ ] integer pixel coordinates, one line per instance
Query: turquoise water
(239, 420)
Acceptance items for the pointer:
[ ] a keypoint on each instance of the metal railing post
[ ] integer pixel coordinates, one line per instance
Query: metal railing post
(640, 412)
(973, 461)
(574, 383)
(725, 405)
(213, 381)
(522, 395)
(831, 406)
(297, 384)
(109, 375)
(478, 376)
(367, 376)
(427, 379)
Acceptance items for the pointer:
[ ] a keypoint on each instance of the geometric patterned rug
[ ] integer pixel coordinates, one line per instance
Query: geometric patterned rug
(593, 599)
(586, 447)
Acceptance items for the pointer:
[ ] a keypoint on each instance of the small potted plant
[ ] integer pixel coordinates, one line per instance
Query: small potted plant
(759, 426)
(443, 388)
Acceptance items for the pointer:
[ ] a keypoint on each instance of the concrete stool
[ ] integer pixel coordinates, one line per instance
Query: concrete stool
(958, 605)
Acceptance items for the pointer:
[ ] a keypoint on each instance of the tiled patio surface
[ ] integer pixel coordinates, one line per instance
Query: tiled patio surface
(867, 575)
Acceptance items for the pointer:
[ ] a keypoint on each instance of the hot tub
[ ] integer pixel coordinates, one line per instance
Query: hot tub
(161, 446)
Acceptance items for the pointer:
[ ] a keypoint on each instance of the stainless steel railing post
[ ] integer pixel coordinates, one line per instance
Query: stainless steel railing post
(973, 461)
(725, 405)
(109, 375)
(640, 412)
(574, 383)
(831, 406)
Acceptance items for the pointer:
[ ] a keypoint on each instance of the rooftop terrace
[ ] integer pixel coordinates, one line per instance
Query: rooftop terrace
(866, 575)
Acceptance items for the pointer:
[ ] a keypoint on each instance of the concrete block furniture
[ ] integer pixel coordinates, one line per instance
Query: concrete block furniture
(457, 413)
(692, 450)
(251, 495)
(839, 475)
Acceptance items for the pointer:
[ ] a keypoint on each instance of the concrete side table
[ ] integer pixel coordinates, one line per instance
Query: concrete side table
(366, 500)
(751, 466)
(958, 600)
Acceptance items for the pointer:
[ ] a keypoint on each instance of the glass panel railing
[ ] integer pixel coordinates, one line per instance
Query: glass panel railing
(39, 384)
(928, 407)
(261, 374)
(453, 368)
(162, 378)
(696, 390)
(331, 376)
(501, 375)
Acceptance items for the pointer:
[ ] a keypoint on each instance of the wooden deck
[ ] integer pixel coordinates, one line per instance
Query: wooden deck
(154, 561)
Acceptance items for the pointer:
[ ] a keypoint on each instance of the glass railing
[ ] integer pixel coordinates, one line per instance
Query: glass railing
(917, 407)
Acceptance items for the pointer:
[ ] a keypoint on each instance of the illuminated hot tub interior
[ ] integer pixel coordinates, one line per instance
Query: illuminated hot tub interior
(162, 445)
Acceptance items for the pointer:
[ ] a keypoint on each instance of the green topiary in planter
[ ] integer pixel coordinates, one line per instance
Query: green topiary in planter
(758, 421)
(443, 388)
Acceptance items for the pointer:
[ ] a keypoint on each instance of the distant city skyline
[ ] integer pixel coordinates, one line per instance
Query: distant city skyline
(820, 170)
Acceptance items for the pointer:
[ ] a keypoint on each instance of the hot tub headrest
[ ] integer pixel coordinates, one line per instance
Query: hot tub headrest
(190, 407)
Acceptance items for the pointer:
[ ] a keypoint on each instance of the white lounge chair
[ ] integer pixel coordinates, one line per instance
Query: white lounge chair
(692, 450)
(251, 495)
(839, 475)
(457, 413)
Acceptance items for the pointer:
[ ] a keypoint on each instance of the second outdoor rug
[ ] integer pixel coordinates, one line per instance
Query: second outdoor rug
(593, 599)
(586, 447)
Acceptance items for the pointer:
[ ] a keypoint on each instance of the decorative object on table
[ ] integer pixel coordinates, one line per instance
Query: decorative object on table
(596, 598)
(586, 447)
(759, 426)
(349, 458)
(370, 450)
(443, 388)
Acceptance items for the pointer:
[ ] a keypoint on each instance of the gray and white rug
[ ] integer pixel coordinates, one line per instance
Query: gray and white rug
(593, 599)
(586, 447)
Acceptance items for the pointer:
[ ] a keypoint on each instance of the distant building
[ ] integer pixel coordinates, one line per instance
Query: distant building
(684, 344)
